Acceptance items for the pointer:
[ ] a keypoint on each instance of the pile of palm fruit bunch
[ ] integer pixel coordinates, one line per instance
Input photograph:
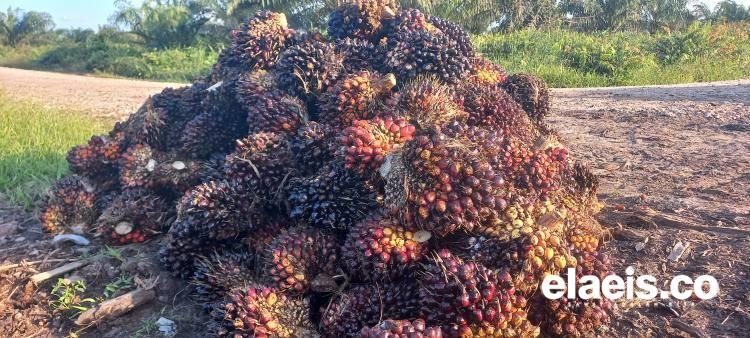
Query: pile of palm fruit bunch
(380, 180)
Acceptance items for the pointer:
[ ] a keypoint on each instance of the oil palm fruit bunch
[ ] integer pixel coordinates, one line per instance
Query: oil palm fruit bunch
(261, 311)
(69, 204)
(485, 72)
(365, 305)
(134, 216)
(353, 97)
(531, 92)
(296, 257)
(379, 180)
(257, 44)
(468, 299)
(366, 143)
(219, 272)
(380, 248)
(401, 329)
(261, 163)
(360, 18)
(334, 198)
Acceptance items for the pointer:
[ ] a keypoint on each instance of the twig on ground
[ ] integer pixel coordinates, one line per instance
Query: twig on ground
(116, 307)
(41, 277)
(24, 264)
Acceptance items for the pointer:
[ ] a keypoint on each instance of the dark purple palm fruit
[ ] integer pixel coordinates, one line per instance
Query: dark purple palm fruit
(175, 174)
(268, 108)
(405, 20)
(420, 52)
(360, 54)
(469, 300)
(262, 163)
(136, 214)
(211, 214)
(456, 33)
(261, 311)
(365, 305)
(308, 69)
(333, 198)
(381, 248)
(312, 147)
(531, 92)
(221, 271)
(298, 256)
(354, 97)
(360, 18)
(69, 204)
(257, 44)
(390, 328)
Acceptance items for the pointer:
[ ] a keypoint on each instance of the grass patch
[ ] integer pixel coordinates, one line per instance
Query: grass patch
(701, 53)
(33, 146)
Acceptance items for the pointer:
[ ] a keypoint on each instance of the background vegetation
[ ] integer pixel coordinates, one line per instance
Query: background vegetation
(569, 42)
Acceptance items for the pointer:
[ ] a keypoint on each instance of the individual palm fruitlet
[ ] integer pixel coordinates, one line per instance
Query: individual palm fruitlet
(379, 180)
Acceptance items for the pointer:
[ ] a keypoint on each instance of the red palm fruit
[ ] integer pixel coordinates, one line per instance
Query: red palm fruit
(401, 329)
(366, 143)
(260, 311)
(69, 204)
(381, 248)
(469, 299)
(97, 159)
(137, 166)
(298, 256)
(353, 98)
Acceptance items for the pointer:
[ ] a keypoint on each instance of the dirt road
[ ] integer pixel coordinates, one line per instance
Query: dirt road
(104, 97)
(674, 165)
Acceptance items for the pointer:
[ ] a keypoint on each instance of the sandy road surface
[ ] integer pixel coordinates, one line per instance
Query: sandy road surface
(674, 165)
(104, 97)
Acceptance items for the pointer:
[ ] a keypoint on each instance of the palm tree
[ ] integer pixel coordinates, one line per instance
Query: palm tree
(163, 23)
(731, 11)
(659, 15)
(17, 25)
(592, 15)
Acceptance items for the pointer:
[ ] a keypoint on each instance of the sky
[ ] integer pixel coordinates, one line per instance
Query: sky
(94, 13)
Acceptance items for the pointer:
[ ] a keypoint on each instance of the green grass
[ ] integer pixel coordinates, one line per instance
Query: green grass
(33, 146)
(574, 59)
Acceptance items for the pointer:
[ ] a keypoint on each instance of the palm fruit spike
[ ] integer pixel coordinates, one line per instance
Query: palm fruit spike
(221, 121)
(352, 97)
(309, 68)
(360, 18)
(210, 214)
(486, 73)
(312, 147)
(260, 311)
(68, 205)
(365, 305)
(380, 248)
(137, 166)
(97, 159)
(134, 216)
(469, 300)
(451, 186)
(426, 102)
(333, 198)
(491, 107)
(298, 256)
(420, 52)
(531, 92)
(406, 20)
(366, 143)
(360, 54)
(390, 328)
(221, 271)
(577, 317)
(262, 163)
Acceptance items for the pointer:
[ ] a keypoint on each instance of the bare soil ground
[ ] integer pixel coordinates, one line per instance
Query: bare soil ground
(673, 162)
